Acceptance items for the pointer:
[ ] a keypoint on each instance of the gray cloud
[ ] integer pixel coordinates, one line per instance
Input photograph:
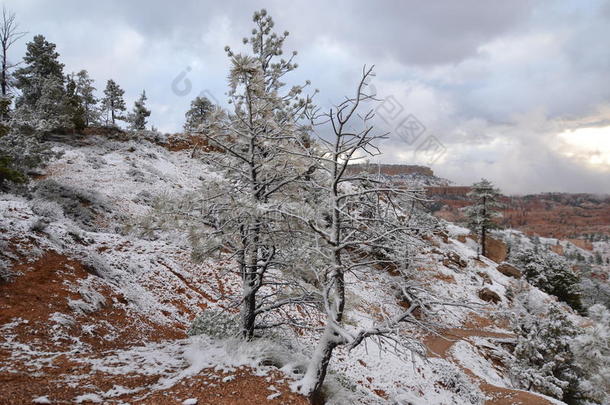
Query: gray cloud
(475, 73)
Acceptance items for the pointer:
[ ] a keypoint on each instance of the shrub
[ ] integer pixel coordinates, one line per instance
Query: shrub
(543, 360)
(552, 274)
(215, 323)
(20, 153)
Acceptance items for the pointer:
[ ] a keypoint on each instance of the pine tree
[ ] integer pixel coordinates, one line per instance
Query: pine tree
(552, 274)
(113, 102)
(481, 214)
(201, 107)
(41, 65)
(43, 103)
(76, 111)
(592, 353)
(21, 152)
(85, 91)
(8, 173)
(138, 117)
(544, 361)
(251, 148)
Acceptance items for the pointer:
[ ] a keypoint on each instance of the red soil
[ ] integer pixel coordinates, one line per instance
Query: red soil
(439, 346)
(44, 287)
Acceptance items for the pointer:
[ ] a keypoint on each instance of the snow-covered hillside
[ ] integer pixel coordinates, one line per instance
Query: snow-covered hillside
(92, 312)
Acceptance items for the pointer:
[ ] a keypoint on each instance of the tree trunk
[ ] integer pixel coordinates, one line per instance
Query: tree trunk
(483, 241)
(484, 229)
(4, 71)
(247, 312)
(318, 367)
(248, 278)
(4, 82)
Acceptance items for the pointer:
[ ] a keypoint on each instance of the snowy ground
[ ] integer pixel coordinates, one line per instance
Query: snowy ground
(116, 306)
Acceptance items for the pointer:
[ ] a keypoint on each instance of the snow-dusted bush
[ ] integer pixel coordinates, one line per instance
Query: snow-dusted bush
(594, 289)
(215, 323)
(152, 136)
(47, 209)
(49, 112)
(454, 380)
(592, 354)
(21, 152)
(543, 356)
(6, 274)
(543, 360)
(96, 162)
(82, 206)
(39, 225)
(551, 273)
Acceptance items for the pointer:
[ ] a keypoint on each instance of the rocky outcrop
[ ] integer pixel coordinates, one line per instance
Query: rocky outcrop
(496, 250)
(452, 259)
(485, 277)
(488, 295)
(509, 270)
(581, 243)
(557, 249)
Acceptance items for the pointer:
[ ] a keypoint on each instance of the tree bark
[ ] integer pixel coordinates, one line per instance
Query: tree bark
(318, 367)
(247, 311)
(484, 230)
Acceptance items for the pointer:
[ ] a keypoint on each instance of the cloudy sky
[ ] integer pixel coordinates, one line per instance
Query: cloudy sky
(515, 91)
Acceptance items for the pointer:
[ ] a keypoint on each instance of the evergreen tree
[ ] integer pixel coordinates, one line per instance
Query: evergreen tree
(594, 290)
(7, 170)
(138, 117)
(113, 102)
(21, 152)
(552, 274)
(544, 361)
(76, 111)
(41, 65)
(481, 214)
(85, 91)
(43, 104)
(592, 355)
(251, 152)
(201, 107)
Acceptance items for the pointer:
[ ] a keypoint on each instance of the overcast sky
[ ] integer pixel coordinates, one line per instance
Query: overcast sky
(514, 91)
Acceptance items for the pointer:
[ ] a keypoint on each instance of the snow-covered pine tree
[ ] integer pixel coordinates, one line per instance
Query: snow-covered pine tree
(543, 360)
(76, 111)
(86, 93)
(113, 104)
(592, 354)
(21, 150)
(42, 104)
(256, 149)
(140, 113)
(551, 273)
(200, 110)
(481, 214)
(594, 290)
(8, 171)
(41, 62)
